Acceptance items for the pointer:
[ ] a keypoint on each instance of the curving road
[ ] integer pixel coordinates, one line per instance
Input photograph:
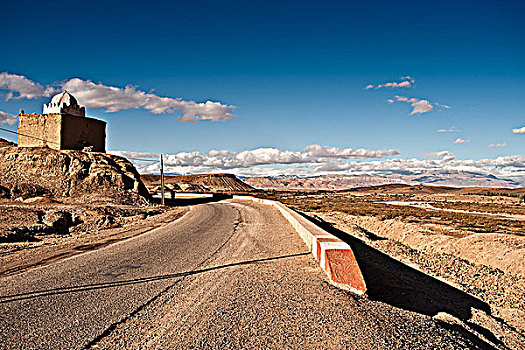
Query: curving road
(227, 275)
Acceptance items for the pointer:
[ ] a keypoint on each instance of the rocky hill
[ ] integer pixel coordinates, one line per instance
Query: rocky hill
(87, 176)
(199, 183)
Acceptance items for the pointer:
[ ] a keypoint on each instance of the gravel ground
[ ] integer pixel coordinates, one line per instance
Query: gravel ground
(262, 290)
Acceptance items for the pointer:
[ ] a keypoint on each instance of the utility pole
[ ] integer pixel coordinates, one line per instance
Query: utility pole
(161, 180)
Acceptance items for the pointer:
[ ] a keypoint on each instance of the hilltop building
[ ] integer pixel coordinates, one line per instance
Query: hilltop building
(62, 125)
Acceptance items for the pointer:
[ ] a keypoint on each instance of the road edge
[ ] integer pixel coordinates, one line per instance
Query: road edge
(333, 255)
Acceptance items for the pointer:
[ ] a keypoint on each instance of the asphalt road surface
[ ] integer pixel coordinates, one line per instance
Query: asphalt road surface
(229, 275)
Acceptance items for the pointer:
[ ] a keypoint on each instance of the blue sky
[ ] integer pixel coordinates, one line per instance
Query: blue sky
(296, 72)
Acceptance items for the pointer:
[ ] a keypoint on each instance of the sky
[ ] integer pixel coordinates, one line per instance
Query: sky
(281, 87)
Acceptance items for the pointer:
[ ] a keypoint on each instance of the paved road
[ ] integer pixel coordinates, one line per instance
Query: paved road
(227, 275)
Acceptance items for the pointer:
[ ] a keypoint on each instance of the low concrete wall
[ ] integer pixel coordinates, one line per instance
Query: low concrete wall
(334, 256)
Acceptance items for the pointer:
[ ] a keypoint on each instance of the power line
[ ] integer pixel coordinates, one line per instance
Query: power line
(33, 137)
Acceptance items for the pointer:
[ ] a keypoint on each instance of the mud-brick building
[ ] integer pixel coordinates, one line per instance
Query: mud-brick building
(62, 125)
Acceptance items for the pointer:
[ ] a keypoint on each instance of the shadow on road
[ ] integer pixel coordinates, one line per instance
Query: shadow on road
(87, 287)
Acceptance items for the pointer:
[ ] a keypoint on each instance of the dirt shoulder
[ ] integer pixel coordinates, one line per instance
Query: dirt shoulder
(42, 242)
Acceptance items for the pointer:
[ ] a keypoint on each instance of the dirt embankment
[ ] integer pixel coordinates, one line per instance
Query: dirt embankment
(491, 249)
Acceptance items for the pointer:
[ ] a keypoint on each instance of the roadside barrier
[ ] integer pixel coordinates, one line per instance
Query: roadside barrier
(334, 256)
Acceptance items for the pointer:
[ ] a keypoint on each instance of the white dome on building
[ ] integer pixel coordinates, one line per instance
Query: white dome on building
(64, 103)
(66, 98)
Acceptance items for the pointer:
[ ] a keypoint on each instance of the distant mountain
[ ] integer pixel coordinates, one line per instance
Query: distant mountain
(341, 182)
(199, 183)
(326, 182)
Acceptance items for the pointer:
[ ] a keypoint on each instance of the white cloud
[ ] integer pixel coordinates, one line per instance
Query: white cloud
(419, 106)
(405, 82)
(115, 99)
(7, 118)
(452, 129)
(460, 140)
(444, 155)
(498, 145)
(24, 87)
(519, 131)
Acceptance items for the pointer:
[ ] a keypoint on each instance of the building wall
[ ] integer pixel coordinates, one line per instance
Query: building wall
(33, 129)
(80, 132)
(61, 131)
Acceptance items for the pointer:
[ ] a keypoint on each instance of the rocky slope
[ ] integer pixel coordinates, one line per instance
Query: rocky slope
(88, 176)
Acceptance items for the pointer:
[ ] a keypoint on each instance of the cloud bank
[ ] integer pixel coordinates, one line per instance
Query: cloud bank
(519, 130)
(114, 99)
(221, 160)
(317, 160)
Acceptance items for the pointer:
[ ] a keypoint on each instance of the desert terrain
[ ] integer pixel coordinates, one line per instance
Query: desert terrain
(58, 204)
